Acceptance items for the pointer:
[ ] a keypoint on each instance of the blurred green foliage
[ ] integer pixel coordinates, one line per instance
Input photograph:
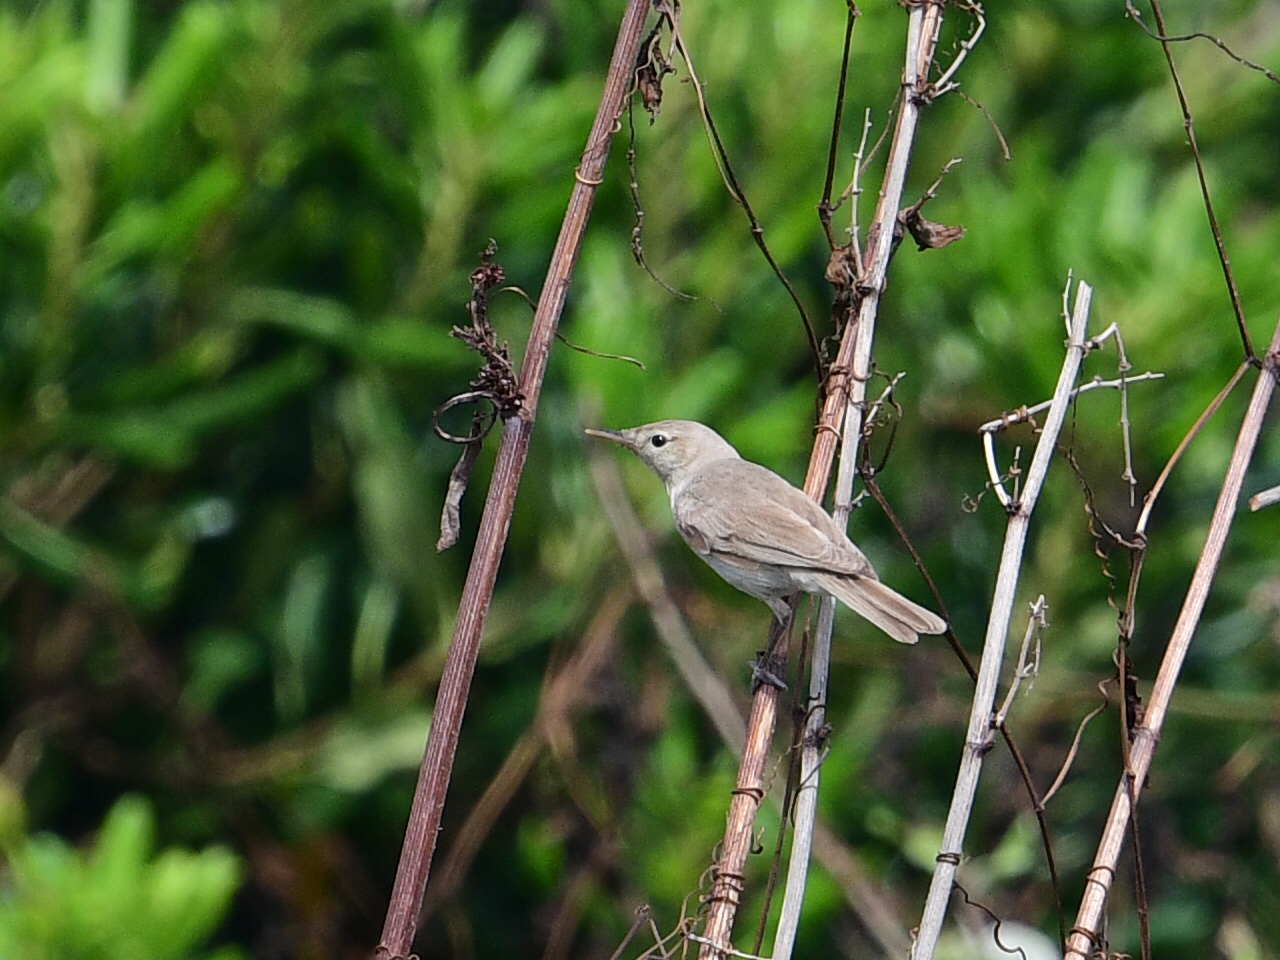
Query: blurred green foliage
(115, 901)
(235, 235)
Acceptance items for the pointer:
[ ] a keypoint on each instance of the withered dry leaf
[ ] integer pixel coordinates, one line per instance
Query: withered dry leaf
(927, 234)
(451, 516)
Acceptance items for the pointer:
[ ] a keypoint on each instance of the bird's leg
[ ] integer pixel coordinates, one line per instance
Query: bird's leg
(767, 666)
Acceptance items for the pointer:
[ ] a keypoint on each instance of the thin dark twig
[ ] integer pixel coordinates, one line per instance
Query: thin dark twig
(637, 231)
(1142, 907)
(643, 915)
(512, 288)
(991, 915)
(873, 487)
(1189, 125)
(824, 205)
(1136, 16)
(1004, 144)
(1072, 751)
(735, 191)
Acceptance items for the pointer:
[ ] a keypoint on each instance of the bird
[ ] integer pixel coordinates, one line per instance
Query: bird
(760, 533)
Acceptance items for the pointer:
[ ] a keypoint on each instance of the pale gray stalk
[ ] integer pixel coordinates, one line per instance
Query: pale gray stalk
(813, 744)
(922, 32)
(1147, 734)
(979, 738)
(924, 22)
(1028, 667)
(713, 695)
(1264, 499)
(698, 675)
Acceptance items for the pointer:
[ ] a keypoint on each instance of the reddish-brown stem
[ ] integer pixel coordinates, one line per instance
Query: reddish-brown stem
(451, 699)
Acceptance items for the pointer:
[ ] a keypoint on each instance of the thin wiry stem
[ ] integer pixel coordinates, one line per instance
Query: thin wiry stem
(1028, 661)
(1147, 733)
(824, 205)
(735, 189)
(1189, 125)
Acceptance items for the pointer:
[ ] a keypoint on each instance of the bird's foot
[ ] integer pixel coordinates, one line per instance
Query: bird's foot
(765, 669)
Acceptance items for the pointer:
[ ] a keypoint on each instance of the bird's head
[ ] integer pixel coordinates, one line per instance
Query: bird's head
(672, 448)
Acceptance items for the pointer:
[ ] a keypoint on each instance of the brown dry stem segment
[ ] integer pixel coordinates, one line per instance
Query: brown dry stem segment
(1147, 733)
(437, 763)
(846, 390)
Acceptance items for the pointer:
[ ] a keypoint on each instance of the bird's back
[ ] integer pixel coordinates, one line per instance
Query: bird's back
(736, 508)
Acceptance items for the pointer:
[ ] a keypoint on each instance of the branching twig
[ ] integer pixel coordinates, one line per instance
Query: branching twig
(1026, 669)
(1189, 125)
(1147, 733)
(978, 738)
(1026, 414)
(944, 84)
(1133, 13)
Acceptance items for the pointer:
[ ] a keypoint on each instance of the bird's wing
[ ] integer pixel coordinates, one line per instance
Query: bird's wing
(746, 514)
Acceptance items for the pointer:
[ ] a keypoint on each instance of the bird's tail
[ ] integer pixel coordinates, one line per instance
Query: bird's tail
(889, 610)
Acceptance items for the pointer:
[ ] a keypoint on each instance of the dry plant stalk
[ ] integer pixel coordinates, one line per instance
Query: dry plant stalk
(813, 742)
(847, 391)
(978, 739)
(1085, 932)
(437, 763)
(876, 912)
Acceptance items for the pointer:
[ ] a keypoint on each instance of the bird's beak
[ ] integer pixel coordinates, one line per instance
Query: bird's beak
(614, 435)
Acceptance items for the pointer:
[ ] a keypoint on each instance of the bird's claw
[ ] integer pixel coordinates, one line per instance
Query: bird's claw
(763, 672)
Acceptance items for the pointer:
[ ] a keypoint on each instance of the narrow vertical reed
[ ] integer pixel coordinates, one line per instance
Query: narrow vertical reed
(979, 737)
(846, 391)
(451, 699)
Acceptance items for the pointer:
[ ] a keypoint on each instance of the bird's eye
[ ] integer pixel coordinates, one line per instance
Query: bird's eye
(659, 440)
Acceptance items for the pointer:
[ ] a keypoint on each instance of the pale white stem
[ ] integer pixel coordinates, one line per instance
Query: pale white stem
(943, 84)
(1022, 414)
(978, 739)
(854, 190)
(1125, 433)
(923, 24)
(1026, 668)
(1264, 499)
(993, 471)
(1066, 304)
(812, 746)
(1147, 734)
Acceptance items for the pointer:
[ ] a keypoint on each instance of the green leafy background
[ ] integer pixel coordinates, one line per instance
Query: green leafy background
(234, 237)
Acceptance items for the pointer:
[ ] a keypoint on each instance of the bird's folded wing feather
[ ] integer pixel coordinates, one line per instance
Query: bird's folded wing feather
(746, 514)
